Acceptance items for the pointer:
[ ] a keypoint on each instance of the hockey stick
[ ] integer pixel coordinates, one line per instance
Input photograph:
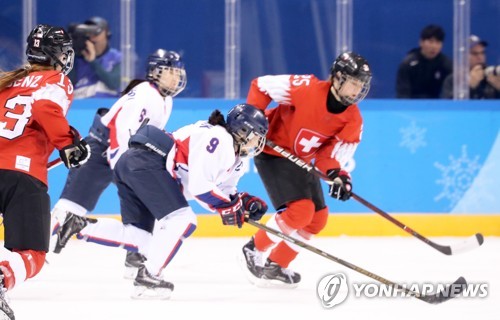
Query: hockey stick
(450, 292)
(54, 163)
(468, 244)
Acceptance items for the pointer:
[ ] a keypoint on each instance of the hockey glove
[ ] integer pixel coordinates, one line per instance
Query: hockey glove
(76, 154)
(255, 206)
(232, 213)
(340, 185)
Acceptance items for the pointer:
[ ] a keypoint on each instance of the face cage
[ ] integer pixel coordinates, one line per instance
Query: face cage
(164, 78)
(347, 100)
(69, 55)
(249, 148)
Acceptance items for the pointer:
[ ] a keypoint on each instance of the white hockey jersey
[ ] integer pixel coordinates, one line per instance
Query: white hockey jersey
(129, 112)
(206, 164)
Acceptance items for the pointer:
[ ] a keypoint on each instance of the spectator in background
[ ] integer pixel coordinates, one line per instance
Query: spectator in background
(97, 66)
(423, 70)
(484, 83)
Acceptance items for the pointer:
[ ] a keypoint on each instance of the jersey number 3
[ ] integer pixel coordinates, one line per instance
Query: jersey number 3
(15, 122)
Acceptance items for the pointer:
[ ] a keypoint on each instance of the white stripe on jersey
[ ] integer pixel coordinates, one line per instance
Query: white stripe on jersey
(343, 152)
(54, 93)
(277, 87)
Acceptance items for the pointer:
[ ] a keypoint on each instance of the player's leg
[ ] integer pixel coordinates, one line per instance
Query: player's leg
(26, 211)
(83, 187)
(293, 191)
(175, 221)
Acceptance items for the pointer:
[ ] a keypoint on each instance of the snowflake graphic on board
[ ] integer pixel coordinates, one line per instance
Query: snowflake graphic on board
(457, 177)
(413, 137)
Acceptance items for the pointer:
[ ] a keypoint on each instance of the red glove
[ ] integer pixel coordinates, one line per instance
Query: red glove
(232, 213)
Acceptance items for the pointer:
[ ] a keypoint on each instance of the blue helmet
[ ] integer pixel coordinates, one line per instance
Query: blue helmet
(166, 69)
(248, 126)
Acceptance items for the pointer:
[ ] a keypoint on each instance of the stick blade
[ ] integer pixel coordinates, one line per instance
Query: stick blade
(468, 244)
(453, 290)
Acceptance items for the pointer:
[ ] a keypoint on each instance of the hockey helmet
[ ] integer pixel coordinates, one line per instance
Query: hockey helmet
(351, 76)
(166, 69)
(248, 126)
(48, 45)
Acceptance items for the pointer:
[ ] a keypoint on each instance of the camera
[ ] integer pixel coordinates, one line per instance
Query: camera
(80, 33)
(493, 70)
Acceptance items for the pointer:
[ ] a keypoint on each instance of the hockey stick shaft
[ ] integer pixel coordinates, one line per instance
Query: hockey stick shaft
(434, 299)
(312, 169)
(54, 163)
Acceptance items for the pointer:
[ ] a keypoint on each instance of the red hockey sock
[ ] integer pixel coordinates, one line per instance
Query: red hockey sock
(262, 241)
(9, 280)
(283, 254)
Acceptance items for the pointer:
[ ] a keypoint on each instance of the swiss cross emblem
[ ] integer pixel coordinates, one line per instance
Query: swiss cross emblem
(307, 142)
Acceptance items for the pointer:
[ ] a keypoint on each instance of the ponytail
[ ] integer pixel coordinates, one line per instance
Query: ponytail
(132, 84)
(217, 118)
(8, 77)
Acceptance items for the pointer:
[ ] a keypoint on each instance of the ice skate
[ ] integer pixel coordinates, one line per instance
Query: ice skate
(148, 286)
(6, 312)
(251, 262)
(72, 225)
(132, 263)
(273, 275)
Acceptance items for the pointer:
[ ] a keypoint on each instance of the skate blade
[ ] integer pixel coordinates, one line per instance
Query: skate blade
(143, 293)
(130, 273)
(274, 284)
(248, 274)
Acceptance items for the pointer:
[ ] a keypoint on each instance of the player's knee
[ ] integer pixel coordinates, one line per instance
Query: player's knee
(318, 221)
(33, 261)
(298, 214)
(183, 217)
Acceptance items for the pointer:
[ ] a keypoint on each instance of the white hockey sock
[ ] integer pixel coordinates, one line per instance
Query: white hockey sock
(70, 206)
(61, 209)
(113, 233)
(167, 238)
(278, 224)
(16, 264)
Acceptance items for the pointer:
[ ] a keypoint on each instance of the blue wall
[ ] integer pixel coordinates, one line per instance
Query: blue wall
(416, 156)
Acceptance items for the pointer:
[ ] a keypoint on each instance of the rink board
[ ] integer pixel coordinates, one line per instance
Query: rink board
(415, 157)
(374, 225)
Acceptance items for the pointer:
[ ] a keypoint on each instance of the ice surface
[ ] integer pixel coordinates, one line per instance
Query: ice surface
(85, 282)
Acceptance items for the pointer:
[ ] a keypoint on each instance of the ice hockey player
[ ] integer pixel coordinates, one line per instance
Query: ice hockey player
(318, 121)
(160, 172)
(34, 101)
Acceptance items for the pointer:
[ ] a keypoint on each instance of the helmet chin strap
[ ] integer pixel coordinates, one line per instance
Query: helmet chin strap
(335, 92)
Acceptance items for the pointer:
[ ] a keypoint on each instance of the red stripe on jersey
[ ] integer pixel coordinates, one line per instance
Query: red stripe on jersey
(113, 139)
(182, 154)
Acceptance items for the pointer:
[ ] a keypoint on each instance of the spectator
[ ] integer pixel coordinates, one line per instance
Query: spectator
(482, 84)
(423, 70)
(97, 66)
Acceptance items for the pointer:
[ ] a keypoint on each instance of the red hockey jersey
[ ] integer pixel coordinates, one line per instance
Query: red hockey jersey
(32, 121)
(301, 122)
